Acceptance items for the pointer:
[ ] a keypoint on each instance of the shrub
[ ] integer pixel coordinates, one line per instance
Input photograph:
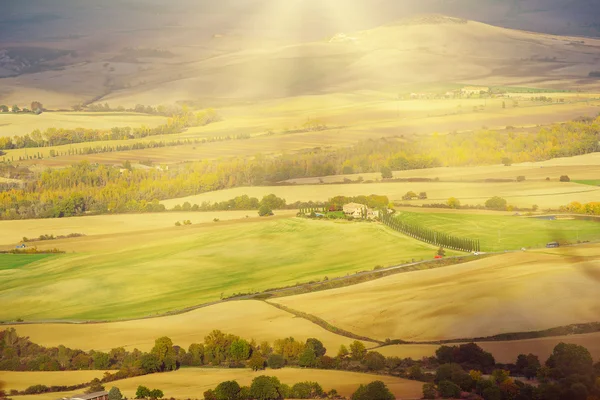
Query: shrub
(520, 178)
(376, 390)
(386, 173)
(276, 361)
(265, 388)
(228, 390)
(496, 203)
(374, 361)
(429, 391)
(565, 178)
(265, 211)
(448, 390)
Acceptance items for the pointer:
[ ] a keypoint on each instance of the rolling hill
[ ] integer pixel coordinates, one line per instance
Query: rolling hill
(217, 61)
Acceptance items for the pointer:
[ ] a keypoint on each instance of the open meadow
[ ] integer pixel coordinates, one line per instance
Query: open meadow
(515, 292)
(151, 272)
(249, 319)
(22, 380)
(24, 124)
(13, 231)
(193, 382)
(520, 194)
(506, 232)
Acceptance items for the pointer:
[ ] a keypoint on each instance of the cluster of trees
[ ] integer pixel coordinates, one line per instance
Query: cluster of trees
(592, 208)
(20, 354)
(410, 195)
(372, 201)
(167, 111)
(265, 387)
(429, 235)
(61, 136)
(243, 202)
(36, 108)
(52, 237)
(568, 374)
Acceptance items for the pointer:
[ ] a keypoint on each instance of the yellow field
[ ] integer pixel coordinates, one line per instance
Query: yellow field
(193, 382)
(507, 293)
(22, 124)
(22, 380)
(355, 116)
(250, 319)
(12, 231)
(504, 351)
(577, 168)
(522, 194)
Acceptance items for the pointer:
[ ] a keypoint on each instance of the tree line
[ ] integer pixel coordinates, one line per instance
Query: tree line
(460, 371)
(70, 192)
(429, 235)
(61, 136)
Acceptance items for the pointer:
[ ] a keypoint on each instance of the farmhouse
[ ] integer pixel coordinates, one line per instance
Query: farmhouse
(90, 396)
(469, 90)
(352, 208)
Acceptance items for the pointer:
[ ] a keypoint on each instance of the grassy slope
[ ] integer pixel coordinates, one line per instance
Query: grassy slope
(22, 380)
(504, 232)
(12, 231)
(157, 271)
(250, 319)
(12, 261)
(521, 194)
(192, 382)
(592, 182)
(507, 293)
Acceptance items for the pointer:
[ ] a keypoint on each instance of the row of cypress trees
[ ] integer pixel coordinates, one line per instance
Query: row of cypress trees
(429, 235)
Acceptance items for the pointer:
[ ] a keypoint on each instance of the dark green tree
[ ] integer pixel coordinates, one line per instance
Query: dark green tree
(276, 361)
(142, 392)
(265, 388)
(376, 390)
(317, 346)
(386, 172)
(449, 390)
(115, 394)
(228, 390)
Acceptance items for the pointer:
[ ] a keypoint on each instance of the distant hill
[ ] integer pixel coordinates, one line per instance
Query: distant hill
(144, 51)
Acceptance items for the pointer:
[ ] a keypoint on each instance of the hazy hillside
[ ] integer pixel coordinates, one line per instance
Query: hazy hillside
(143, 51)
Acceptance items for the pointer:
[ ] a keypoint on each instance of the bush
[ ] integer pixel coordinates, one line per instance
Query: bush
(520, 178)
(386, 173)
(265, 388)
(565, 178)
(265, 211)
(429, 391)
(448, 390)
(373, 391)
(115, 394)
(374, 361)
(276, 361)
(496, 203)
(228, 390)
(306, 390)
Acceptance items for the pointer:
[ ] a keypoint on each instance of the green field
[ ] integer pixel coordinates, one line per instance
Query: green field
(592, 182)
(503, 232)
(12, 261)
(133, 275)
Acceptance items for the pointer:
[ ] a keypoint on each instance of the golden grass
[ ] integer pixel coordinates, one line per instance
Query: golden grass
(505, 351)
(362, 114)
(22, 380)
(12, 231)
(193, 382)
(507, 293)
(521, 194)
(577, 167)
(250, 319)
(22, 124)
